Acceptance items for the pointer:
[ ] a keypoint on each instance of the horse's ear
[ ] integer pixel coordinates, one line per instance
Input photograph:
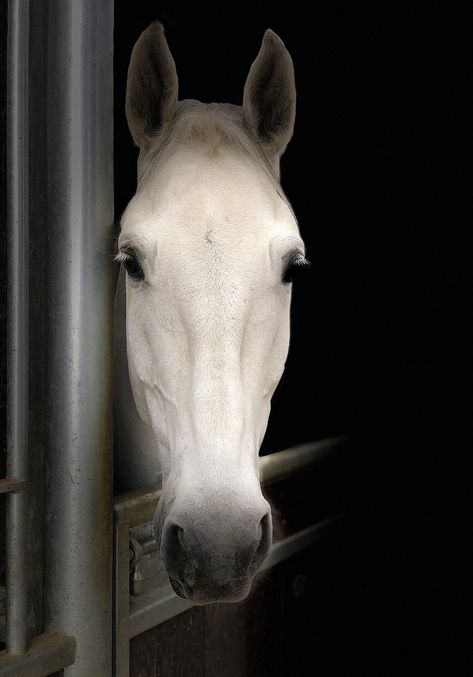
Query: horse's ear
(269, 97)
(151, 91)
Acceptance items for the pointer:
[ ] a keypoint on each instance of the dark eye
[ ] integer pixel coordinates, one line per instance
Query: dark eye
(292, 265)
(132, 266)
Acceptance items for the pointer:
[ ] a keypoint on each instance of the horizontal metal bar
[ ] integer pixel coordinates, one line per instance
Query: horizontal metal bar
(282, 464)
(11, 484)
(161, 604)
(290, 546)
(138, 507)
(46, 654)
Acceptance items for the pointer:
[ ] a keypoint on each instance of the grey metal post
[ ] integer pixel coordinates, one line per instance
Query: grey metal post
(79, 509)
(17, 340)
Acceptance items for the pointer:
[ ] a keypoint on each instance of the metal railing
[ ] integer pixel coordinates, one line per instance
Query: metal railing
(46, 653)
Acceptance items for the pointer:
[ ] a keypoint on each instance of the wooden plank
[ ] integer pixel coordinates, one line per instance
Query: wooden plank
(319, 622)
(143, 654)
(180, 645)
(302, 644)
(264, 640)
(225, 640)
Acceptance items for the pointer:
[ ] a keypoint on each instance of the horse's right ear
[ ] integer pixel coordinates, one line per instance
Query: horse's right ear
(269, 97)
(151, 91)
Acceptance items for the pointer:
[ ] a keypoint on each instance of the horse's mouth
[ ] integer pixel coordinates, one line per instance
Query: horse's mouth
(222, 594)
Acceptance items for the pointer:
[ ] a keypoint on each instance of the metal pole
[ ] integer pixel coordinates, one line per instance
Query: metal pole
(17, 324)
(79, 510)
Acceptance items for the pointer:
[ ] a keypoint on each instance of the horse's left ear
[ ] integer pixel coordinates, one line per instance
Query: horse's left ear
(269, 97)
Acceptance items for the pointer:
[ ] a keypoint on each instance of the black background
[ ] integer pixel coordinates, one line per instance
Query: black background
(373, 177)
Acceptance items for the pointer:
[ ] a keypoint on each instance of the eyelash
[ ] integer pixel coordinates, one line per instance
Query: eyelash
(131, 264)
(295, 262)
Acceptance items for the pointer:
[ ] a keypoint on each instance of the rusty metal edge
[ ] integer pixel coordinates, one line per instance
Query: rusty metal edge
(11, 484)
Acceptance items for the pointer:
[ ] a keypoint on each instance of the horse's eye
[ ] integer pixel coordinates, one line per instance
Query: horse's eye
(293, 264)
(132, 266)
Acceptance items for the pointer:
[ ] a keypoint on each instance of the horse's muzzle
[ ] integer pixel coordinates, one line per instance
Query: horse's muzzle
(216, 564)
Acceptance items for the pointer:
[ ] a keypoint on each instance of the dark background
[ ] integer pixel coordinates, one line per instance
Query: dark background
(364, 173)
(373, 175)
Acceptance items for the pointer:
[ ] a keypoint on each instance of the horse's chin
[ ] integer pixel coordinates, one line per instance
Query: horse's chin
(208, 595)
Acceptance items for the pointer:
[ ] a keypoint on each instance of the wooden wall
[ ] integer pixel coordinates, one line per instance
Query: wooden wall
(293, 624)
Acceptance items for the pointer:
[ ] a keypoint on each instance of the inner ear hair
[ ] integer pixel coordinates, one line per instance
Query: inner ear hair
(152, 87)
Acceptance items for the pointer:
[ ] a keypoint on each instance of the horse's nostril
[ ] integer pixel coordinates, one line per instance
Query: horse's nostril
(177, 558)
(177, 586)
(264, 536)
(180, 536)
(261, 528)
(173, 540)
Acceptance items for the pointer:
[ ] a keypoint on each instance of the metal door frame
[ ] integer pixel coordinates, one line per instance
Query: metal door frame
(75, 112)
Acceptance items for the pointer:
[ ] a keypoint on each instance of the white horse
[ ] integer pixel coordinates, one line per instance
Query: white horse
(209, 244)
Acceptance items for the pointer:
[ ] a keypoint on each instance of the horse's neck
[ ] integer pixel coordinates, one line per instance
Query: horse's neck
(136, 459)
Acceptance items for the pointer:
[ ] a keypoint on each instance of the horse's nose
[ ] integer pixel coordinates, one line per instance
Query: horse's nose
(214, 563)
(178, 559)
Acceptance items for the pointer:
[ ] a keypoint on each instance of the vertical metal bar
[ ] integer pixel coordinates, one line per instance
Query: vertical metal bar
(79, 511)
(17, 323)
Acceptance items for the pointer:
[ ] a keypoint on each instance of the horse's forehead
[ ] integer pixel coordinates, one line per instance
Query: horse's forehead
(192, 195)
